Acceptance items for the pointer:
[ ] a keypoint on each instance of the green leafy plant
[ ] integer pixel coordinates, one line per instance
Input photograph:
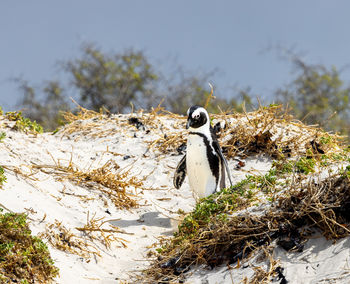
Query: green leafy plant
(346, 172)
(217, 206)
(305, 165)
(266, 182)
(2, 136)
(23, 257)
(2, 176)
(23, 123)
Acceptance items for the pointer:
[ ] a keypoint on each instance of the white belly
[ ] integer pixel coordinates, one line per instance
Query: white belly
(201, 179)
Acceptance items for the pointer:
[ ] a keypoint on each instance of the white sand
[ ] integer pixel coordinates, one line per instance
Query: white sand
(46, 199)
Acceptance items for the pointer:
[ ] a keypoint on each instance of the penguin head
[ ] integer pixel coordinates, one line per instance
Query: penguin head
(197, 117)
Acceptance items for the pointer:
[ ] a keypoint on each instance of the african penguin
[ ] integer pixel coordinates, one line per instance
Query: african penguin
(203, 162)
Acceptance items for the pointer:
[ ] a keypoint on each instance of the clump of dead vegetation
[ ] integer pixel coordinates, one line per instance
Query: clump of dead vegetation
(108, 179)
(98, 229)
(82, 114)
(83, 241)
(274, 131)
(73, 121)
(64, 239)
(23, 258)
(218, 231)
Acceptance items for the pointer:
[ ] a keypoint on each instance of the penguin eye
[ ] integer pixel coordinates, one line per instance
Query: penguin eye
(196, 116)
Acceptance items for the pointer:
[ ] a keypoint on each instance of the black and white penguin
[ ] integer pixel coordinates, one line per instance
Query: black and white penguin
(203, 162)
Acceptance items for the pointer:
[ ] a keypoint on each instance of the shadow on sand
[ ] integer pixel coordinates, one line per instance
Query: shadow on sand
(153, 219)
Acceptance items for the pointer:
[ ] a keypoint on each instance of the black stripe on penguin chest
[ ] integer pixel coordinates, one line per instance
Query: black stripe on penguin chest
(213, 158)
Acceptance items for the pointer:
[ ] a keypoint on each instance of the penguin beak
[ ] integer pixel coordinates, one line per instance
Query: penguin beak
(188, 124)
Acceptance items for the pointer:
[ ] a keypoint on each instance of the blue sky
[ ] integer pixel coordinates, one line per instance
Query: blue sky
(231, 36)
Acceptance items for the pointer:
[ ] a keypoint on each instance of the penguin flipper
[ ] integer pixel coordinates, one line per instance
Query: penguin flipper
(180, 173)
(222, 158)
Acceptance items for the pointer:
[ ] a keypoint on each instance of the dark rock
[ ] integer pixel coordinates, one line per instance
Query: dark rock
(240, 165)
(280, 276)
(170, 263)
(316, 147)
(136, 122)
(292, 242)
(182, 149)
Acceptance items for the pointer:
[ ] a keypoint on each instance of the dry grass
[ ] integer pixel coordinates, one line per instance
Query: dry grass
(106, 179)
(83, 241)
(98, 229)
(271, 130)
(64, 239)
(75, 120)
(82, 114)
(169, 143)
(262, 275)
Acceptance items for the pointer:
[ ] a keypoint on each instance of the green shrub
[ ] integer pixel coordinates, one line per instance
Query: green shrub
(217, 206)
(23, 258)
(23, 123)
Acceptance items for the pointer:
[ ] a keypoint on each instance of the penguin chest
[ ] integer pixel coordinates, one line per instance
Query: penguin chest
(200, 176)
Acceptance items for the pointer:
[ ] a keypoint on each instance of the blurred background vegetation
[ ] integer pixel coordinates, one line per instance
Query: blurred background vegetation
(124, 82)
